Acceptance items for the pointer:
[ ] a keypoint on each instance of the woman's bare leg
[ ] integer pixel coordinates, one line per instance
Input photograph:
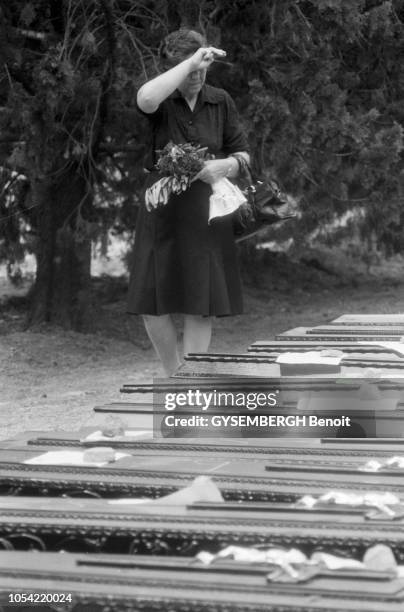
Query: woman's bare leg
(197, 333)
(163, 335)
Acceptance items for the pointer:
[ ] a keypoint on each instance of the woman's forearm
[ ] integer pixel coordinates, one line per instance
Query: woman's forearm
(152, 93)
(216, 169)
(234, 166)
(229, 167)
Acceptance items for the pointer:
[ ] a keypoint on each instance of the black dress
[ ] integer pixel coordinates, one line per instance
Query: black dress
(180, 263)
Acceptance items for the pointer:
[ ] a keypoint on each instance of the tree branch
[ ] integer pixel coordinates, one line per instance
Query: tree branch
(108, 77)
(105, 147)
(20, 77)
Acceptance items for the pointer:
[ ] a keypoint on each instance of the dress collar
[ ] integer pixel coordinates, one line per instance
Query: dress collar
(210, 94)
(207, 94)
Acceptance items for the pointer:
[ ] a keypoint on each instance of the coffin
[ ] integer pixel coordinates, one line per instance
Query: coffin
(370, 319)
(243, 448)
(365, 351)
(343, 334)
(158, 584)
(104, 526)
(284, 477)
(259, 365)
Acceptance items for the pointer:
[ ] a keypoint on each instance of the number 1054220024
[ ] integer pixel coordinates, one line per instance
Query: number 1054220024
(17, 598)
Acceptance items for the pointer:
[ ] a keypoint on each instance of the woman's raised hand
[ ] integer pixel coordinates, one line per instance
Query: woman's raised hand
(204, 57)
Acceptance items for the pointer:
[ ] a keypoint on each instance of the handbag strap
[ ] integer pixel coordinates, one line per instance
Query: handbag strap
(245, 170)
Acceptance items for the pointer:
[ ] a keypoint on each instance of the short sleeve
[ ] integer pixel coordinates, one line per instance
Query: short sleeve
(234, 138)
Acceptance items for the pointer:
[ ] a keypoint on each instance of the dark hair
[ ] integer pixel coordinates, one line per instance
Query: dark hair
(177, 45)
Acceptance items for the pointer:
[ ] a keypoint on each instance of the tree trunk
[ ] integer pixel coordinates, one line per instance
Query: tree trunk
(62, 289)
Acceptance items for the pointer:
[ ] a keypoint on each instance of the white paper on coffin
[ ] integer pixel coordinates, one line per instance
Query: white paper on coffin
(334, 563)
(289, 559)
(310, 363)
(202, 489)
(345, 405)
(69, 458)
(395, 347)
(374, 465)
(97, 436)
(332, 498)
(309, 358)
(225, 199)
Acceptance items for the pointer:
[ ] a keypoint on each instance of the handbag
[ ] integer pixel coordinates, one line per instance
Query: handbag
(266, 203)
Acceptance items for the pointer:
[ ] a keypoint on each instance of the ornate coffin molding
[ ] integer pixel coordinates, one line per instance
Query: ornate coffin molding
(177, 530)
(393, 361)
(159, 584)
(354, 450)
(131, 477)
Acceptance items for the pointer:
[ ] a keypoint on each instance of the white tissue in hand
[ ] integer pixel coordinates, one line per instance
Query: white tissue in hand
(225, 199)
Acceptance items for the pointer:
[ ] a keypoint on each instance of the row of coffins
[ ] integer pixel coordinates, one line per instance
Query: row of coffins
(101, 582)
(276, 523)
(133, 526)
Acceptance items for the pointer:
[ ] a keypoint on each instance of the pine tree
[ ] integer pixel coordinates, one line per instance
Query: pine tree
(318, 84)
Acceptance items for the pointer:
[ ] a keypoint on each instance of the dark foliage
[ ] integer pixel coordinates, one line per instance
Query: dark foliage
(319, 84)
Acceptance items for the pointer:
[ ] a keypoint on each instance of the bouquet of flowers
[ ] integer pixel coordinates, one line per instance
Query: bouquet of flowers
(179, 164)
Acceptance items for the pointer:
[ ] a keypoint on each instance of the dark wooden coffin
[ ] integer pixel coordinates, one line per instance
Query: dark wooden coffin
(258, 365)
(161, 584)
(360, 329)
(277, 477)
(343, 334)
(103, 526)
(298, 384)
(370, 319)
(353, 349)
(241, 447)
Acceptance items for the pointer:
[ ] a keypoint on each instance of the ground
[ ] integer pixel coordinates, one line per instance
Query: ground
(51, 378)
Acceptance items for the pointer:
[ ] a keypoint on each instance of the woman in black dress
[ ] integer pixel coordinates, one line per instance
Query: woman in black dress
(181, 263)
